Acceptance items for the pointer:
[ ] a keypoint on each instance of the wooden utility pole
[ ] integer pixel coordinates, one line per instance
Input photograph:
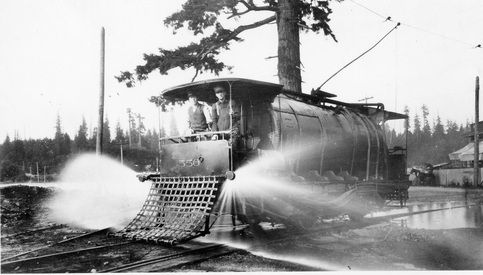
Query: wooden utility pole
(476, 175)
(122, 158)
(100, 123)
(129, 115)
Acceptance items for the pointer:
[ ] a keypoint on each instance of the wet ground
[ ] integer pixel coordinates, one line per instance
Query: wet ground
(432, 217)
(428, 239)
(432, 239)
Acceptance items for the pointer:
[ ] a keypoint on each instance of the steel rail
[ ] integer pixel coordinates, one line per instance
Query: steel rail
(53, 226)
(62, 254)
(166, 258)
(400, 215)
(56, 243)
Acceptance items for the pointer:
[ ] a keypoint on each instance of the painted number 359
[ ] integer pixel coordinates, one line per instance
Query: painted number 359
(190, 162)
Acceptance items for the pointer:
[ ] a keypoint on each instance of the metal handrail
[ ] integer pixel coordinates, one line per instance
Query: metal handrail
(200, 136)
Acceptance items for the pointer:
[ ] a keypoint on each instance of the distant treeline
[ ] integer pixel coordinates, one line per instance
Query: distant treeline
(426, 144)
(19, 159)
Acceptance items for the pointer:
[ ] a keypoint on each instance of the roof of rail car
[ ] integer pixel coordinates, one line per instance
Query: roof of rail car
(370, 109)
(241, 87)
(244, 88)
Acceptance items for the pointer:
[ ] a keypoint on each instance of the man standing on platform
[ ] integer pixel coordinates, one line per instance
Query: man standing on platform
(198, 114)
(222, 111)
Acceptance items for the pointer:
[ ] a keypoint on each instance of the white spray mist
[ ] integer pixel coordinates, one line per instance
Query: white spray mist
(96, 192)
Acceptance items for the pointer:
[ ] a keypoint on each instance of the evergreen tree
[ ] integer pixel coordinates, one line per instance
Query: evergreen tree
(8, 170)
(106, 134)
(438, 141)
(92, 140)
(154, 141)
(6, 147)
(66, 145)
(438, 133)
(453, 138)
(132, 133)
(426, 131)
(417, 126)
(18, 152)
(151, 140)
(407, 124)
(119, 138)
(414, 143)
(4, 159)
(80, 140)
(30, 156)
(200, 16)
(58, 137)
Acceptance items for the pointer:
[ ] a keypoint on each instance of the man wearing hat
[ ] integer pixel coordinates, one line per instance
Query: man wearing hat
(221, 112)
(198, 114)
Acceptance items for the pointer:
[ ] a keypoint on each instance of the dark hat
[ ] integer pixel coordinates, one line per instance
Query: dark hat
(219, 89)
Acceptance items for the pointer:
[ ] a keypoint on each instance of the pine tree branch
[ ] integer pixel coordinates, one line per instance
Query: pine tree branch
(257, 24)
(252, 7)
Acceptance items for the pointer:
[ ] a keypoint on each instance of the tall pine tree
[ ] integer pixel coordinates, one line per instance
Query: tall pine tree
(80, 139)
(202, 16)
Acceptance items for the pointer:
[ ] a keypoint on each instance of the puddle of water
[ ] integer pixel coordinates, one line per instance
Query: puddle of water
(462, 217)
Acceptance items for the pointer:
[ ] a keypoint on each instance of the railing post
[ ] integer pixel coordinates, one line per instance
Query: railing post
(476, 166)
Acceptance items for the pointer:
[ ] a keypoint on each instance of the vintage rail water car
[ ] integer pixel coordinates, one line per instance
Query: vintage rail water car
(337, 149)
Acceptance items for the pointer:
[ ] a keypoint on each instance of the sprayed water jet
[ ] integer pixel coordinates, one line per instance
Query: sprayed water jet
(95, 192)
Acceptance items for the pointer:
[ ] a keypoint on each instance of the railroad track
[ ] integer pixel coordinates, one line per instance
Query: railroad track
(162, 258)
(50, 227)
(51, 253)
(5, 261)
(70, 254)
(55, 256)
(163, 263)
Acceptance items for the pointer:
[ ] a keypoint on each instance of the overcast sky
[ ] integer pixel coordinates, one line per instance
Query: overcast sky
(50, 52)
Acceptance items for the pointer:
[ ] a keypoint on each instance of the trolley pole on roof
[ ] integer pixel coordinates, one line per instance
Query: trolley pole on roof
(476, 166)
(365, 99)
(100, 123)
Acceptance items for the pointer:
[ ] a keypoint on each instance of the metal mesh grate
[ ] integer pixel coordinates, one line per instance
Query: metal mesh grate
(176, 209)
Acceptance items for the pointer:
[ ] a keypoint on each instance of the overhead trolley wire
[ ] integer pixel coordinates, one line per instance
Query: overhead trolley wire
(364, 7)
(388, 18)
(437, 34)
